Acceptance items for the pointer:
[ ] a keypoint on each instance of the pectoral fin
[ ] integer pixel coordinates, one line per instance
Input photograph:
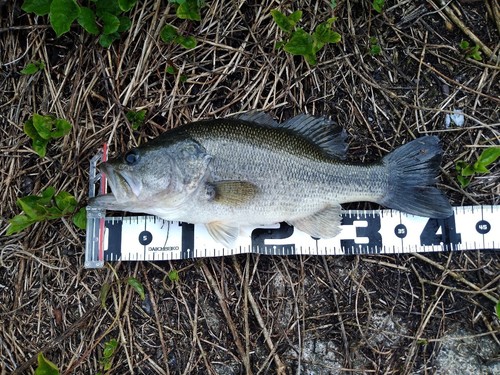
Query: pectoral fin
(322, 224)
(234, 192)
(223, 233)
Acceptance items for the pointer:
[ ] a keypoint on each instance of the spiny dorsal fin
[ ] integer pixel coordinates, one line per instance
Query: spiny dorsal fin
(323, 132)
(234, 193)
(257, 117)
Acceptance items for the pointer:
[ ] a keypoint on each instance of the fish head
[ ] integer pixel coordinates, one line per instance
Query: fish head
(157, 175)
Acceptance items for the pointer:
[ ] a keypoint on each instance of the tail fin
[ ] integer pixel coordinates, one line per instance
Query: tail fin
(412, 171)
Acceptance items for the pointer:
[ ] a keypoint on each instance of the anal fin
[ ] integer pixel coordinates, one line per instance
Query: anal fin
(322, 224)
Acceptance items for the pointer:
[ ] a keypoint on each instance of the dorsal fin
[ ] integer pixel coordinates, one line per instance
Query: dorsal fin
(258, 117)
(323, 132)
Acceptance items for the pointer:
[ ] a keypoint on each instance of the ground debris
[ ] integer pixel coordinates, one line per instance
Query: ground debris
(253, 314)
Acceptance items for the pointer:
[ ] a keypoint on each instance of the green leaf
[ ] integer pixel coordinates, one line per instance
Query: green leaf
(467, 171)
(43, 128)
(136, 284)
(279, 45)
(62, 128)
(29, 129)
(188, 42)
(331, 20)
(375, 50)
(464, 44)
(111, 23)
(295, 17)
(45, 367)
(103, 294)
(106, 40)
(189, 10)
(43, 125)
(53, 212)
(333, 4)
(86, 19)
(107, 6)
(47, 195)
(107, 365)
(480, 168)
(107, 353)
(33, 68)
(286, 23)
(378, 5)
(29, 200)
(41, 207)
(422, 342)
(168, 33)
(300, 43)
(311, 59)
(459, 165)
(58, 127)
(39, 7)
(489, 156)
(497, 308)
(39, 145)
(125, 24)
(32, 208)
(19, 223)
(464, 181)
(476, 55)
(65, 202)
(109, 348)
(173, 275)
(324, 34)
(171, 70)
(126, 5)
(62, 14)
(136, 118)
(80, 218)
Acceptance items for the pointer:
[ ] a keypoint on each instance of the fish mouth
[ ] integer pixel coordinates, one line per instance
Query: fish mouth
(123, 185)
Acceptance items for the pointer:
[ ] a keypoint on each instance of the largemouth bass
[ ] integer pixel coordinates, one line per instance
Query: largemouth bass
(252, 171)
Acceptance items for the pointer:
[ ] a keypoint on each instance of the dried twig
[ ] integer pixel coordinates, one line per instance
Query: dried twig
(457, 21)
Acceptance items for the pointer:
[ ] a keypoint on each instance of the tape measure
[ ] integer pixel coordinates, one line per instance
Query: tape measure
(148, 238)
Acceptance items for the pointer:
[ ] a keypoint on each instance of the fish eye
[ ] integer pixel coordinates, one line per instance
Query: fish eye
(131, 157)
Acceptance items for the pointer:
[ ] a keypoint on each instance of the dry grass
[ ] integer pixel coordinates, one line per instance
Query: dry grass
(248, 314)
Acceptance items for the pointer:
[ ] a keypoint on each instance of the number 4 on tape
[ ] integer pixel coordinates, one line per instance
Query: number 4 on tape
(363, 232)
